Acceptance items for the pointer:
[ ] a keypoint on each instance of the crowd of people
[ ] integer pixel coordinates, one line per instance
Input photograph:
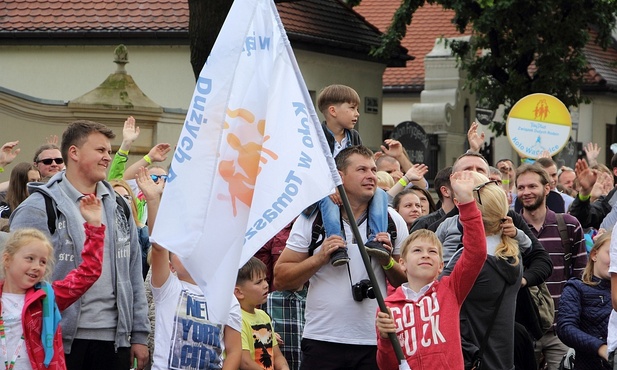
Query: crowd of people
(83, 287)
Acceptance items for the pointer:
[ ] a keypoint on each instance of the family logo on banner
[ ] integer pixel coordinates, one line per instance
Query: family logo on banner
(538, 123)
(250, 158)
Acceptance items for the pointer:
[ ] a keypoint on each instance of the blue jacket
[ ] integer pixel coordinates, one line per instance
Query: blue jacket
(582, 321)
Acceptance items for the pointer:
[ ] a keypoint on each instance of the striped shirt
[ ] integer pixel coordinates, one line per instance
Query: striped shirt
(549, 236)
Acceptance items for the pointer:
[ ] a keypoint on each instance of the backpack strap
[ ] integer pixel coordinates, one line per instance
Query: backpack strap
(567, 245)
(318, 232)
(52, 212)
(392, 229)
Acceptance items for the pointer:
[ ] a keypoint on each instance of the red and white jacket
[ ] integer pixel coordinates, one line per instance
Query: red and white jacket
(67, 291)
(429, 329)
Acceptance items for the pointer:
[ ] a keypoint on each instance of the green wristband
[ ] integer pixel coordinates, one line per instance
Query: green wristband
(584, 197)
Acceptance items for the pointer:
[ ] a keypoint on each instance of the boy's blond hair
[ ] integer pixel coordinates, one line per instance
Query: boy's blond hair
(422, 234)
(336, 94)
(384, 179)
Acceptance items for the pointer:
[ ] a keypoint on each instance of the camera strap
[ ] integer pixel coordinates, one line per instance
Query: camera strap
(363, 218)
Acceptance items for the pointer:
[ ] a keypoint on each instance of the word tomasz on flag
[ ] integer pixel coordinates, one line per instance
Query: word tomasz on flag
(292, 181)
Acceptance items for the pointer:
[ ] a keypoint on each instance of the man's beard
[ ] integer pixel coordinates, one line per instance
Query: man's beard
(535, 205)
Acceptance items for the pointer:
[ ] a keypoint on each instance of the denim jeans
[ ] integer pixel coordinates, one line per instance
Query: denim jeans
(377, 215)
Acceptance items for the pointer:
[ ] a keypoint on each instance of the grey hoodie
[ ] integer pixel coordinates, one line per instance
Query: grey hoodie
(133, 325)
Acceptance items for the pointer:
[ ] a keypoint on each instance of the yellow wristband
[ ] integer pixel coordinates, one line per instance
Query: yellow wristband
(147, 159)
(1, 169)
(505, 182)
(122, 151)
(403, 182)
(584, 197)
(389, 265)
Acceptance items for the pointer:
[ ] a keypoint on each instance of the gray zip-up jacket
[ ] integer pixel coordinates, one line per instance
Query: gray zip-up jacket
(133, 325)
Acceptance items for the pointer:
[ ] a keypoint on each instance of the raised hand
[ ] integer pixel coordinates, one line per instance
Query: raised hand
(159, 152)
(593, 151)
(150, 189)
(475, 138)
(394, 149)
(545, 154)
(416, 172)
(586, 176)
(130, 132)
(8, 152)
(52, 139)
(462, 184)
(91, 209)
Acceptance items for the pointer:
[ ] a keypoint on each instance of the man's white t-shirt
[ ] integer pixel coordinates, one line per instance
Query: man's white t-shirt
(612, 321)
(331, 313)
(184, 337)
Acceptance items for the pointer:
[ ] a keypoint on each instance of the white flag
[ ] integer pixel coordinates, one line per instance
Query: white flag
(251, 155)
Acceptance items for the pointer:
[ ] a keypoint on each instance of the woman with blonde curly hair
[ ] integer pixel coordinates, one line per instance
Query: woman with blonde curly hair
(489, 309)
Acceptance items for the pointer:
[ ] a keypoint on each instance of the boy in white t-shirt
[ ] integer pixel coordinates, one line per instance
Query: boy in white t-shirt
(184, 337)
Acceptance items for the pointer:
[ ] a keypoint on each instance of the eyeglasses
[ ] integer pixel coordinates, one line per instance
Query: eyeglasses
(477, 188)
(156, 178)
(47, 161)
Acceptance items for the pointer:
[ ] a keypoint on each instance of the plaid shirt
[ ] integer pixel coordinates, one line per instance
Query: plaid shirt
(286, 309)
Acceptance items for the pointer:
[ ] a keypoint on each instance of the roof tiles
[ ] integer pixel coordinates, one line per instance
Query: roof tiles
(93, 15)
(429, 23)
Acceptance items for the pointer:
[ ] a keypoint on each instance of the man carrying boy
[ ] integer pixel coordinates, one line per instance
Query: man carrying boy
(339, 331)
(260, 350)
(424, 312)
(339, 105)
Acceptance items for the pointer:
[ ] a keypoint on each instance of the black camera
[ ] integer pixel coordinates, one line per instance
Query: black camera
(361, 290)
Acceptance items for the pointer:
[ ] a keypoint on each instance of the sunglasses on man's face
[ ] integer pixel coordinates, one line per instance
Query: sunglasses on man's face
(48, 161)
(479, 187)
(156, 178)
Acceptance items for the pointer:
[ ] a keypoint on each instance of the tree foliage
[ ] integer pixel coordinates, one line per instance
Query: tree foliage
(519, 47)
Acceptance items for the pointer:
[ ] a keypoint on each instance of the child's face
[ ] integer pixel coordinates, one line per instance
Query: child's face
(255, 291)
(26, 267)
(602, 260)
(346, 114)
(422, 261)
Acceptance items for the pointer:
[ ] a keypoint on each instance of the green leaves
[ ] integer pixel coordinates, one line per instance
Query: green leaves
(519, 47)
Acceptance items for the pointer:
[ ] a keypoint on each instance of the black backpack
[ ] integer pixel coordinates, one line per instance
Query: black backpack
(52, 211)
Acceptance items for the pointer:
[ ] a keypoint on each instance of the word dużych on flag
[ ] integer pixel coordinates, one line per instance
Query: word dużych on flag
(251, 155)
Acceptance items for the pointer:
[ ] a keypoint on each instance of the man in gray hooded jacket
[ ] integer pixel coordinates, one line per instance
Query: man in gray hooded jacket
(108, 327)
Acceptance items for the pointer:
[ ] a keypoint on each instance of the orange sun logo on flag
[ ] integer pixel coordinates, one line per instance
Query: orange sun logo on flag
(246, 138)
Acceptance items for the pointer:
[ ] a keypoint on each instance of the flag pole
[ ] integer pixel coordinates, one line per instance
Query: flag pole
(369, 269)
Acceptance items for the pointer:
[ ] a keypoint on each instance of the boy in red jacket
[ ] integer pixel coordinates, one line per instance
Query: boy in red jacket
(424, 312)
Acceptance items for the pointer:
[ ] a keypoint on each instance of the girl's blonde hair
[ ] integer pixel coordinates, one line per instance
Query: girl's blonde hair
(21, 237)
(597, 244)
(123, 184)
(493, 204)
